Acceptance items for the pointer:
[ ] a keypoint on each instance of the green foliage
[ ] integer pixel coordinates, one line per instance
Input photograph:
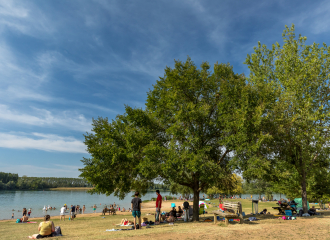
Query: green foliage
(236, 187)
(293, 81)
(193, 119)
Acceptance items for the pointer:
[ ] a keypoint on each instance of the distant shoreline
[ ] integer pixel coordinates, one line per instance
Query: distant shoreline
(69, 189)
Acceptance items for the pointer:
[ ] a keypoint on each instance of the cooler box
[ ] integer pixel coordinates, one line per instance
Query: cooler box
(288, 212)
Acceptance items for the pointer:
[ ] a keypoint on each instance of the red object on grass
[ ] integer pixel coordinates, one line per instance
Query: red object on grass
(221, 207)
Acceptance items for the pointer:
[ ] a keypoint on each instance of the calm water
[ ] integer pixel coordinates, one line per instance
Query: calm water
(36, 200)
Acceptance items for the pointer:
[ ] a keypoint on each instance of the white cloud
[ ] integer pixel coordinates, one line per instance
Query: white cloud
(42, 117)
(44, 142)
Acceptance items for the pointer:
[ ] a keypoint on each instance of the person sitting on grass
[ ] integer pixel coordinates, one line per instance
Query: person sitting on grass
(46, 228)
(173, 211)
(171, 218)
(24, 218)
(124, 221)
(180, 211)
(312, 211)
(263, 211)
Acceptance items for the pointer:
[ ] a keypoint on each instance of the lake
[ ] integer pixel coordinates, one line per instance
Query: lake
(36, 200)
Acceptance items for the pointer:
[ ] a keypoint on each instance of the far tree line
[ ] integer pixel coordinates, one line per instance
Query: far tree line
(11, 181)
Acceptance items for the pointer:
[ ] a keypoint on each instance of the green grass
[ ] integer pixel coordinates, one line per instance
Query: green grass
(94, 227)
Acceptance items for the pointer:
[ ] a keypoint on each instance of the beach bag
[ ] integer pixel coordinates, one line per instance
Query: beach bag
(58, 232)
(18, 220)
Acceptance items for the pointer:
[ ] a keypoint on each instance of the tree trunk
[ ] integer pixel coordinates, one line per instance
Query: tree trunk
(196, 205)
(303, 182)
(303, 191)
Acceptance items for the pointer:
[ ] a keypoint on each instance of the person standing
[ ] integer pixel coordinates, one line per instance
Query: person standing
(83, 209)
(62, 213)
(94, 208)
(72, 211)
(158, 205)
(24, 212)
(12, 216)
(136, 206)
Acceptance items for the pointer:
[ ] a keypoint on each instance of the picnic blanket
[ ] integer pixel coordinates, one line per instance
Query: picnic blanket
(114, 230)
(27, 222)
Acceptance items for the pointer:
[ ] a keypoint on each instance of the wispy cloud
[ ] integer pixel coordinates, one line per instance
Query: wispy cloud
(42, 117)
(44, 142)
(24, 17)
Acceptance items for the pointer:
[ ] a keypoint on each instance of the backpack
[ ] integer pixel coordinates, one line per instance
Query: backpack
(18, 220)
(58, 232)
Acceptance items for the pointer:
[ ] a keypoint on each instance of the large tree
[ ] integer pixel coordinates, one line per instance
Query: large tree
(295, 79)
(193, 119)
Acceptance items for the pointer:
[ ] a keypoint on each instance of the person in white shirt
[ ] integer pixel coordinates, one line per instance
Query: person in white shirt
(62, 214)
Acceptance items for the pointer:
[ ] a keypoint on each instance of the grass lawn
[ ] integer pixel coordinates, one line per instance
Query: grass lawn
(93, 227)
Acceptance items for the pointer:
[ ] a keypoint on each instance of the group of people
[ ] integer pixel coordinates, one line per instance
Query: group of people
(136, 210)
(73, 211)
(48, 208)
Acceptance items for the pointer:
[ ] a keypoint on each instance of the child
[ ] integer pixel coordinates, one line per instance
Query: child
(12, 216)
(29, 213)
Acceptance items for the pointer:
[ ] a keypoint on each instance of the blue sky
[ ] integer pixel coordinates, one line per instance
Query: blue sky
(64, 62)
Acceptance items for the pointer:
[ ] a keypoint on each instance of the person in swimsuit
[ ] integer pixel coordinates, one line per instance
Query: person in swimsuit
(94, 208)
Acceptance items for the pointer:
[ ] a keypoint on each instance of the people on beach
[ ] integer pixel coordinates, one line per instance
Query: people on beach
(158, 205)
(45, 228)
(94, 208)
(12, 216)
(83, 209)
(62, 213)
(29, 212)
(136, 206)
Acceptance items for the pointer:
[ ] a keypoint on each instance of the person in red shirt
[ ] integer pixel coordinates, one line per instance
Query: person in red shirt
(158, 205)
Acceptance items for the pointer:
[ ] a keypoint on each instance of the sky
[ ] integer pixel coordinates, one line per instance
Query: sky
(63, 63)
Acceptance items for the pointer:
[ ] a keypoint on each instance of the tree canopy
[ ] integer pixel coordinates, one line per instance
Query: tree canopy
(193, 119)
(294, 79)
